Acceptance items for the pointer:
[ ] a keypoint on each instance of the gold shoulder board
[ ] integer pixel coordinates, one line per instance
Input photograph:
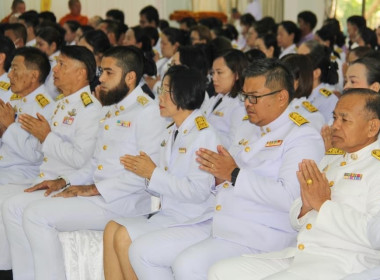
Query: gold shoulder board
(4, 85)
(59, 97)
(245, 118)
(86, 99)
(376, 154)
(15, 97)
(170, 125)
(339, 50)
(297, 118)
(142, 100)
(325, 92)
(334, 151)
(333, 57)
(310, 107)
(42, 100)
(201, 122)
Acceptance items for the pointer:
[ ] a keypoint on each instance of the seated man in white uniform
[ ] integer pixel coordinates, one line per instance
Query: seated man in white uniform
(336, 214)
(67, 139)
(20, 154)
(7, 49)
(256, 186)
(102, 189)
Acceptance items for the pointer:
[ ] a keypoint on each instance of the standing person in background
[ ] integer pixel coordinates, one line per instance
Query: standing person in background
(75, 9)
(307, 21)
(18, 7)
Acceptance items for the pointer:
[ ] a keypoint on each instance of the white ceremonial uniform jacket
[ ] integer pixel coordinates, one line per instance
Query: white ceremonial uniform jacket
(310, 112)
(226, 117)
(71, 142)
(184, 189)
(334, 242)
(20, 153)
(131, 126)
(255, 212)
(291, 49)
(324, 100)
(5, 87)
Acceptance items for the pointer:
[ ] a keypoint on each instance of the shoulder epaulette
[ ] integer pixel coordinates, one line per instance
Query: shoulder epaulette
(245, 118)
(339, 50)
(325, 92)
(310, 107)
(42, 100)
(335, 151)
(86, 99)
(170, 125)
(376, 154)
(15, 97)
(59, 97)
(297, 118)
(142, 100)
(4, 85)
(201, 122)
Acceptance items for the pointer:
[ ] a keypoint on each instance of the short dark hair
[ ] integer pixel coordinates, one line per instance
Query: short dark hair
(18, 29)
(302, 69)
(30, 18)
(368, 36)
(186, 86)
(188, 21)
(73, 25)
(308, 17)
(163, 24)
(372, 66)
(115, 27)
(152, 33)
(247, 19)
(358, 21)
(277, 75)
(151, 14)
(194, 58)
(128, 59)
(116, 15)
(98, 40)
(372, 99)
(36, 60)
(174, 35)
(291, 28)
(7, 47)
(270, 40)
(254, 54)
(236, 61)
(83, 55)
(47, 16)
(203, 32)
(51, 35)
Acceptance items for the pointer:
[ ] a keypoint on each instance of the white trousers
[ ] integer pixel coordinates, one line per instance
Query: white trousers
(7, 191)
(33, 222)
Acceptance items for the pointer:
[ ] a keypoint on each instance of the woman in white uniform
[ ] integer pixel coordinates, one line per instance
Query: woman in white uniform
(180, 189)
(288, 35)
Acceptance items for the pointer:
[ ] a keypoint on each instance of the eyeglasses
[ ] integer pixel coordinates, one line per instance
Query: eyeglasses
(161, 90)
(253, 98)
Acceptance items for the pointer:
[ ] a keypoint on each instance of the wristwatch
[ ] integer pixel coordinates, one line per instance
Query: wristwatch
(234, 175)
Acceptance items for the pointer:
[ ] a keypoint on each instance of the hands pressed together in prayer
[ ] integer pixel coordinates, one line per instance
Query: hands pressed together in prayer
(39, 127)
(7, 115)
(142, 165)
(220, 164)
(315, 188)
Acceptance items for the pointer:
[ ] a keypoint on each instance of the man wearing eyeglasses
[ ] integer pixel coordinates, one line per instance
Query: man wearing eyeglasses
(257, 181)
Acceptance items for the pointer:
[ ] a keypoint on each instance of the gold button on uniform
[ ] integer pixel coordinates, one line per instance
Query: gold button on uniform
(166, 168)
(122, 108)
(42, 175)
(343, 163)
(24, 99)
(218, 207)
(1, 157)
(63, 107)
(106, 127)
(117, 113)
(185, 131)
(354, 156)
(331, 183)
(226, 185)
(100, 167)
(55, 124)
(45, 159)
(309, 226)
(301, 247)
(105, 147)
(67, 101)
(247, 149)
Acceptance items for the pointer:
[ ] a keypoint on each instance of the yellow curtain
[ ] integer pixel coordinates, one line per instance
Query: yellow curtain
(45, 5)
(273, 8)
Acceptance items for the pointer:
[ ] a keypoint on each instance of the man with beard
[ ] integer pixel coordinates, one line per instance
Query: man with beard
(66, 140)
(102, 189)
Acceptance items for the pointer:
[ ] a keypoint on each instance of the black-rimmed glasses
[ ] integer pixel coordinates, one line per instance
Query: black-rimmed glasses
(253, 98)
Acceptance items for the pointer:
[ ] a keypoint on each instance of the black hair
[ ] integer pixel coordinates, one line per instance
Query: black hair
(291, 28)
(270, 40)
(73, 25)
(269, 23)
(8, 48)
(195, 58)
(47, 16)
(277, 75)
(219, 46)
(247, 19)
(236, 61)
(361, 51)
(358, 21)
(152, 33)
(36, 60)
(372, 99)
(189, 21)
(174, 35)
(97, 40)
(229, 31)
(151, 14)
(30, 18)
(186, 86)
(308, 17)
(143, 38)
(116, 15)
(18, 29)
(203, 32)
(86, 28)
(254, 54)
(115, 27)
(51, 35)
(83, 55)
(326, 33)
(368, 36)
(302, 70)
(372, 66)
(334, 25)
(211, 22)
(163, 24)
